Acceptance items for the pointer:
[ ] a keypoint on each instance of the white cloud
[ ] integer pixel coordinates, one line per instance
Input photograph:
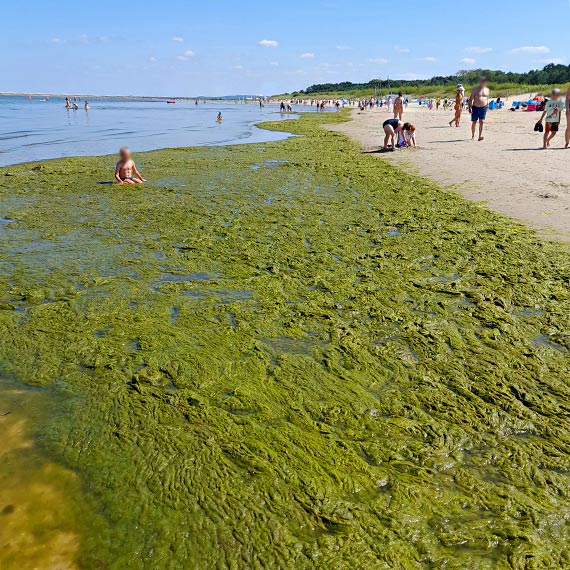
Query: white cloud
(89, 40)
(469, 61)
(56, 41)
(547, 60)
(530, 49)
(412, 76)
(177, 40)
(186, 56)
(269, 43)
(307, 55)
(274, 63)
(152, 59)
(343, 48)
(238, 67)
(399, 49)
(428, 59)
(379, 60)
(478, 49)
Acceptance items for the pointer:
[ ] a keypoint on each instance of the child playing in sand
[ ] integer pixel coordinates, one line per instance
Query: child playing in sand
(126, 171)
(409, 133)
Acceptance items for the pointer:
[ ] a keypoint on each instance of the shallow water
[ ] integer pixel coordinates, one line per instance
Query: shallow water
(39, 523)
(39, 129)
(257, 383)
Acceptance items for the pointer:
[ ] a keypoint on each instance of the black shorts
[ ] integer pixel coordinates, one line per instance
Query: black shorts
(552, 127)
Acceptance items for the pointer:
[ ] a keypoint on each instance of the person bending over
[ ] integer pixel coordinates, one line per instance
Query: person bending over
(126, 171)
(394, 129)
(409, 132)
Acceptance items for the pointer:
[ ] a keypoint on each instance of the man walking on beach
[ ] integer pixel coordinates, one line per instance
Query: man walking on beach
(478, 107)
(399, 106)
(567, 118)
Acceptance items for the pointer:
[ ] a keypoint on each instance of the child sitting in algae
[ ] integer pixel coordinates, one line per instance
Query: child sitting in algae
(126, 171)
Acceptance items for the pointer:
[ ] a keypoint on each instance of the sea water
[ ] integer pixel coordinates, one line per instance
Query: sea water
(41, 128)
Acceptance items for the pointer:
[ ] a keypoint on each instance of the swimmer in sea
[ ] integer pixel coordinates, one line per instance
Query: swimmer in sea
(126, 171)
(220, 117)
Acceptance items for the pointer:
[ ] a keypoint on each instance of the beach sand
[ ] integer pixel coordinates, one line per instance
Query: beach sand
(508, 171)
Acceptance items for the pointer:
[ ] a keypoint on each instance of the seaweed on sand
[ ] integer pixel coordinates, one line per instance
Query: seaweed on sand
(362, 370)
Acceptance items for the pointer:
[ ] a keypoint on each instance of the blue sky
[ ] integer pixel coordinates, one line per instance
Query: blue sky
(200, 47)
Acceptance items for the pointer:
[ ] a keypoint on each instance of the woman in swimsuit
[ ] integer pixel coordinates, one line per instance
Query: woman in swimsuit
(392, 128)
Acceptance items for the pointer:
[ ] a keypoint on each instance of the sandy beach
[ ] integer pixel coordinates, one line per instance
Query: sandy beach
(508, 171)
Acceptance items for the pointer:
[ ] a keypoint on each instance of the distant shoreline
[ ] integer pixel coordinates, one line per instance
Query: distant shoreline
(251, 98)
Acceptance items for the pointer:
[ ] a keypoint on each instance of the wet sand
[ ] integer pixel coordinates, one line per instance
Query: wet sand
(508, 171)
(35, 517)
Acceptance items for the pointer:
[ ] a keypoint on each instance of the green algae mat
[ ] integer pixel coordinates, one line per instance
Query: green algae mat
(282, 356)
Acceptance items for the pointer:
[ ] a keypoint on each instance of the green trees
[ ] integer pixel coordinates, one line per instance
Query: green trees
(549, 75)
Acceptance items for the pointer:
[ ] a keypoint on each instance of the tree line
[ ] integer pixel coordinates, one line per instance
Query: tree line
(552, 74)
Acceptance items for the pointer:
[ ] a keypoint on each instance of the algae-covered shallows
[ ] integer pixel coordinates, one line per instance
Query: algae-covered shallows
(320, 362)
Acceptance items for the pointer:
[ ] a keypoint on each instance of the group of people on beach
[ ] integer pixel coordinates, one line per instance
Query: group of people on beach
(400, 134)
(478, 104)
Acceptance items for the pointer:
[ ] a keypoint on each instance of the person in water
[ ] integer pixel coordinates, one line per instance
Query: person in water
(86, 105)
(126, 171)
(220, 117)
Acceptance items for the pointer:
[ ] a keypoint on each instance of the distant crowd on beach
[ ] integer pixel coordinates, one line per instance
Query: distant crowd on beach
(399, 134)
(478, 103)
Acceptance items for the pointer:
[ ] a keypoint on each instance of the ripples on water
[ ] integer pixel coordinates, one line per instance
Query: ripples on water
(39, 129)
